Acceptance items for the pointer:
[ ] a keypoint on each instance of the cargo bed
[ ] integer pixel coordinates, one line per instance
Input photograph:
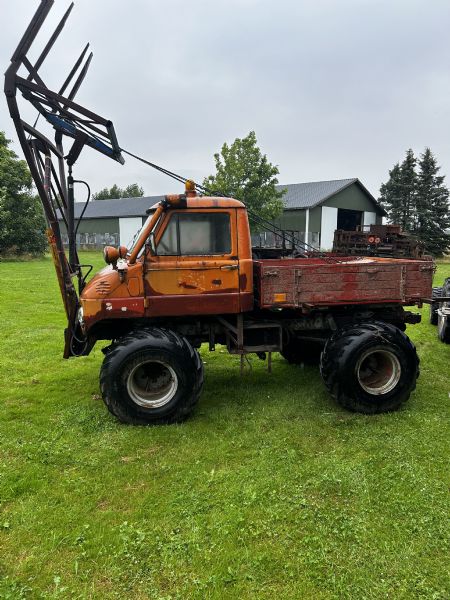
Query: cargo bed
(308, 282)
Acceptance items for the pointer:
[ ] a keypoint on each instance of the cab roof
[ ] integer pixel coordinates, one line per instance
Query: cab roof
(202, 202)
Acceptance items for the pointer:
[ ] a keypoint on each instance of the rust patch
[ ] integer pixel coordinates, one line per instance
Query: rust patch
(319, 283)
(186, 285)
(242, 281)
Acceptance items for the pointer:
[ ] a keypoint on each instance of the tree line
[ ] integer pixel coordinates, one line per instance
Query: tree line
(131, 191)
(416, 197)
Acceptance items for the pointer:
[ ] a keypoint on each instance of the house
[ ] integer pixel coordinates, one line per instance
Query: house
(312, 211)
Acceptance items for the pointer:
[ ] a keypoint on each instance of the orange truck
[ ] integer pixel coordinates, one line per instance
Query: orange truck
(192, 277)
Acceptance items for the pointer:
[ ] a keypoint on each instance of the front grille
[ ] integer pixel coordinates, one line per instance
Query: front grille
(103, 287)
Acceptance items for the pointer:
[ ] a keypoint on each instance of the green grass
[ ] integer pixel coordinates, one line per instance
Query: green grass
(269, 490)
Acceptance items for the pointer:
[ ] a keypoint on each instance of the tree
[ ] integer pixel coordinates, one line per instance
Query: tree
(408, 189)
(131, 191)
(22, 223)
(419, 202)
(244, 173)
(432, 205)
(391, 197)
(398, 194)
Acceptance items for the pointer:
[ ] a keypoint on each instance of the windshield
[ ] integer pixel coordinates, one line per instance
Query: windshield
(137, 235)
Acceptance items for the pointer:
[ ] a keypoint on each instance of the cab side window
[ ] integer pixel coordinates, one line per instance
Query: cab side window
(168, 244)
(194, 234)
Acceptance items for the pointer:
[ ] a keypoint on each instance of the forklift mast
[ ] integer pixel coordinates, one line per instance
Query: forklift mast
(49, 162)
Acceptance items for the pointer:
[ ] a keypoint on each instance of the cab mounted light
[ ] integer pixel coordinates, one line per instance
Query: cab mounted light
(189, 187)
(175, 201)
(180, 200)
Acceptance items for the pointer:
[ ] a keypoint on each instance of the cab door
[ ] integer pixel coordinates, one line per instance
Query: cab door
(195, 270)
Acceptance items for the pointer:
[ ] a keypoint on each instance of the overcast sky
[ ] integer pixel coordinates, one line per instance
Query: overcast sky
(333, 89)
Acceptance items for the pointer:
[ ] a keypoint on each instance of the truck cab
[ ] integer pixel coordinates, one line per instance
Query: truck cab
(192, 257)
(199, 259)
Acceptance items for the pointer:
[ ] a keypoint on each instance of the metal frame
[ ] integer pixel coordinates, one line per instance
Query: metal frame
(47, 160)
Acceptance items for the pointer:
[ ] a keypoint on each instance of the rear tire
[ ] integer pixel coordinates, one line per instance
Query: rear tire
(443, 321)
(151, 376)
(436, 293)
(370, 367)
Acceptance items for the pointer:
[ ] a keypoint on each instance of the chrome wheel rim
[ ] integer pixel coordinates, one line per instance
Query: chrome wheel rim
(152, 384)
(378, 371)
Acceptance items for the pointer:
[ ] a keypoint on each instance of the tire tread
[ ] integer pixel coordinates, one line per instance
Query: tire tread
(151, 335)
(333, 355)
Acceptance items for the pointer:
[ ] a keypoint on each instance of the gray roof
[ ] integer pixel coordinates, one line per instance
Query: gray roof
(297, 196)
(313, 193)
(120, 207)
(308, 195)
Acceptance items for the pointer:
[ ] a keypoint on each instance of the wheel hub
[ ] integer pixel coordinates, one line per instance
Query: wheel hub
(152, 384)
(378, 371)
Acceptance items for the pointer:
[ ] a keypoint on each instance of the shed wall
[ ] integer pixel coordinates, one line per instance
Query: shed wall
(315, 217)
(353, 198)
(102, 226)
(293, 220)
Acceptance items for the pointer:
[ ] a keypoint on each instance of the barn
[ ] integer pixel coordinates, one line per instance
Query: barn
(312, 211)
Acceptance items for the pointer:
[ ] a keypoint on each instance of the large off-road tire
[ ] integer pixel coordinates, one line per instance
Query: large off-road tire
(436, 293)
(443, 320)
(370, 367)
(151, 375)
(297, 351)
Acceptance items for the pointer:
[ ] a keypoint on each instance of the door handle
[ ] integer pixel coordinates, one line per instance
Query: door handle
(228, 267)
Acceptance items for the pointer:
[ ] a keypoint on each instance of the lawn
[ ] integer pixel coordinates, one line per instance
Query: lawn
(270, 490)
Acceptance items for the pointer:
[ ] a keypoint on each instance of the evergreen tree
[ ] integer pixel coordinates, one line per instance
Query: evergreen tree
(390, 195)
(408, 183)
(432, 206)
(398, 194)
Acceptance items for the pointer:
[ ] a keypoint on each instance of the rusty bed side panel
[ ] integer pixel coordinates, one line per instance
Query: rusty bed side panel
(295, 282)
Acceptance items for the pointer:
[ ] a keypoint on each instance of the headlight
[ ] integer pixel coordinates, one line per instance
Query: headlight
(110, 254)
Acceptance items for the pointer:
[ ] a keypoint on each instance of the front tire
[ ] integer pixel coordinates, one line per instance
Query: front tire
(370, 367)
(151, 376)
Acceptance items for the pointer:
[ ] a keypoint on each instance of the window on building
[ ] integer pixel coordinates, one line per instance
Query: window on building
(194, 234)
